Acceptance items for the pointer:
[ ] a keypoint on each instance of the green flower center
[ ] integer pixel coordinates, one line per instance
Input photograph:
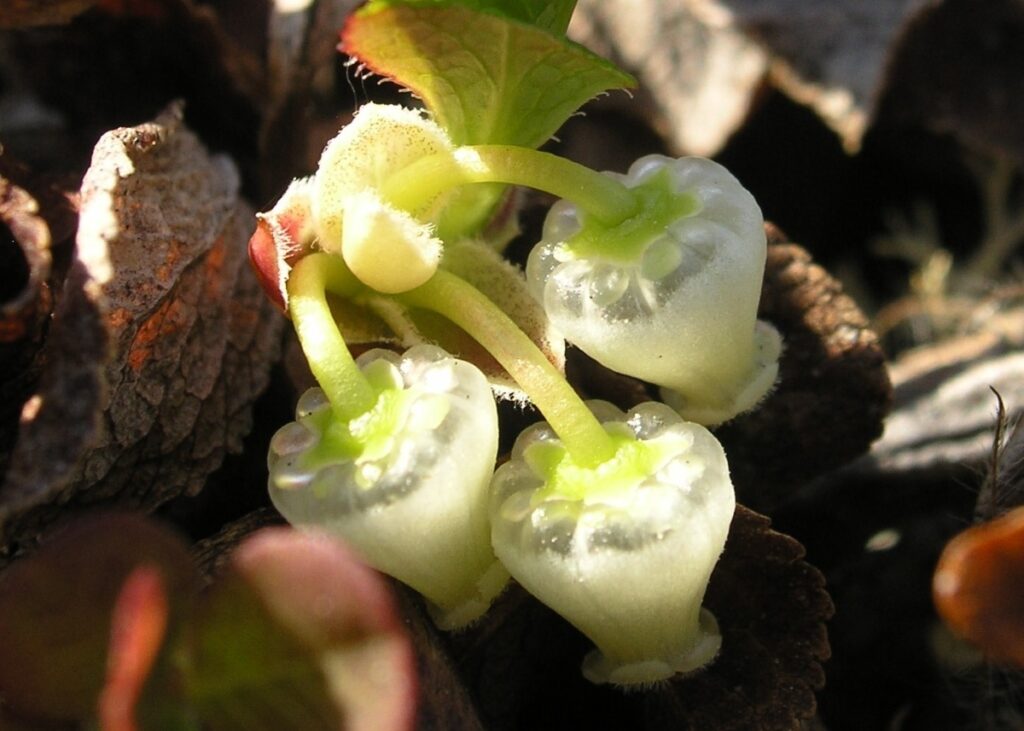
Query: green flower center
(633, 463)
(370, 437)
(625, 242)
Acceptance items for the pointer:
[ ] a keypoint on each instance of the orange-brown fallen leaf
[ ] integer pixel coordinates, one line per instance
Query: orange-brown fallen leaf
(978, 587)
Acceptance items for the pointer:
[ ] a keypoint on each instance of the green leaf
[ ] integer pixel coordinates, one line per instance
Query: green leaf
(551, 15)
(487, 78)
(299, 635)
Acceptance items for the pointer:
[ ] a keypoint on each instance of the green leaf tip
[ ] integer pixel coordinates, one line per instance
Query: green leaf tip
(489, 71)
(550, 15)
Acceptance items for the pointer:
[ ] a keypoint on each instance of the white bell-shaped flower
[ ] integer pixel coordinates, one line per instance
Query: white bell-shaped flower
(624, 550)
(669, 295)
(406, 483)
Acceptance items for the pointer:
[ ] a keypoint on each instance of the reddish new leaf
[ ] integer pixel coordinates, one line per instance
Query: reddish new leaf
(300, 635)
(56, 608)
(139, 624)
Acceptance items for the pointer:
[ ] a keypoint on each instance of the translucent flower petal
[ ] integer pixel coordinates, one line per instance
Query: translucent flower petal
(625, 553)
(681, 310)
(406, 484)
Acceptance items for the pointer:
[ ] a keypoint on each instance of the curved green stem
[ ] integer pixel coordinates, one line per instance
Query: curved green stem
(580, 431)
(329, 358)
(600, 196)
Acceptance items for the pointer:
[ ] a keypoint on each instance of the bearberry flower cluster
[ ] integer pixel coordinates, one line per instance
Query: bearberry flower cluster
(613, 519)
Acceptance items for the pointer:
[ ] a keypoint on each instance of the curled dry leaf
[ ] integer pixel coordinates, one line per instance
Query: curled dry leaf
(302, 45)
(833, 390)
(162, 341)
(25, 251)
(830, 56)
(25, 302)
(947, 66)
(944, 66)
(943, 403)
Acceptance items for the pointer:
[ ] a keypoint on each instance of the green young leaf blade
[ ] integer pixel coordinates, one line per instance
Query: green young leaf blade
(245, 673)
(299, 635)
(551, 15)
(486, 78)
(56, 608)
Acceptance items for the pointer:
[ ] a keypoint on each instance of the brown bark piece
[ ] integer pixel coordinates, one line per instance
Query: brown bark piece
(162, 342)
(833, 390)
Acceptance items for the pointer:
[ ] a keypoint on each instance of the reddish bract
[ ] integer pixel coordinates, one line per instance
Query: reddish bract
(283, 235)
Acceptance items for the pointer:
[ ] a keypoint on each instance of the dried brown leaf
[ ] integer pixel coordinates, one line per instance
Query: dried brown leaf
(943, 407)
(160, 277)
(772, 608)
(956, 69)
(833, 390)
(24, 13)
(698, 79)
(828, 54)
(444, 703)
(302, 50)
(25, 251)
(951, 67)
(25, 303)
